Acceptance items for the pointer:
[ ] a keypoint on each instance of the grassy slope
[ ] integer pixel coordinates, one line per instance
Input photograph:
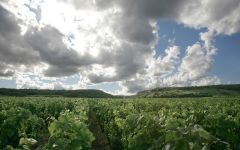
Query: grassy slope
(85, 93)
(201, 91)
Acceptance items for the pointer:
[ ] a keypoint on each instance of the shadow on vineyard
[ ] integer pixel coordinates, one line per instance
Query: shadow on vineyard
(101, 141)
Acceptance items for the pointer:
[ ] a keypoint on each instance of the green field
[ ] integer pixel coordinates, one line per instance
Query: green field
(197, 91)
(129, 124)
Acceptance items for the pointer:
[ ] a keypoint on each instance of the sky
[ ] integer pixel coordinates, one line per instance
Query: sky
(119, 46)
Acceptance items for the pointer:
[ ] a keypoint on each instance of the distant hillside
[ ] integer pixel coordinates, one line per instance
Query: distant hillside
(86, 93)
(199, 91)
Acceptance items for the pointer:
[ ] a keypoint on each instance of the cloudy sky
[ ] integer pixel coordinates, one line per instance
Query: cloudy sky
(119, 46)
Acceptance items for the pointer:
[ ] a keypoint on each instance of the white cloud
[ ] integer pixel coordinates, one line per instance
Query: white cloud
(196, 62)
(167, 64)
(110, 41)
(29, 80)
(193, 70)
(219, 16)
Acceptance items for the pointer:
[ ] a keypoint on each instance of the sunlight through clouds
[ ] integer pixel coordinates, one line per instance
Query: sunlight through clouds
(104, 41)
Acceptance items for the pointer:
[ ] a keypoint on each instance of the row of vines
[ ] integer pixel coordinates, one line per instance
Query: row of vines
(129, 124)
(181, 124)
(44, 123)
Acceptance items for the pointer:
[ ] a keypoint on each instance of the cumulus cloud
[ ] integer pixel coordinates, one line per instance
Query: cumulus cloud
(220, 16)
(135, 85)
(167, 64)
(196, 62)
(14, 50)
(110, 41)
(29, 80)
(192, 71)
(6, 72)
(48, 45)
(48, 42)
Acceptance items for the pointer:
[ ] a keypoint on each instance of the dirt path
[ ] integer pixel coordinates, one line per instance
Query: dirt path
(101, 141)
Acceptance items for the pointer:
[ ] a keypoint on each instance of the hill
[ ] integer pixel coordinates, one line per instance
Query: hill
(85, 93)
(197, 91)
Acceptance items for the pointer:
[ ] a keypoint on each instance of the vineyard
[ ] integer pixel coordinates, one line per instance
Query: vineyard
(119, 124)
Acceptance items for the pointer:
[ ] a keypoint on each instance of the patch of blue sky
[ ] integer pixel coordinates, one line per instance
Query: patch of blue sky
(7, 83)
(171, 32)
(227, 61)
(70, 80)
(106, 86)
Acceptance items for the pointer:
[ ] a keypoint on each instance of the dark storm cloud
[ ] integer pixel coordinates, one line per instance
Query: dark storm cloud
(59, 71)
(13, 48)
(63, 61)
(5, 71)
(49, 44)
(134, 29)
(45, 45)
(36, 46)
(145, 8)
(152, 8)
(128, 60)
(8, 22)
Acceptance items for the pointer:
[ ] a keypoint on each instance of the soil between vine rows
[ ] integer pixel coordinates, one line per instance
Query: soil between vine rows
(101, 142)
